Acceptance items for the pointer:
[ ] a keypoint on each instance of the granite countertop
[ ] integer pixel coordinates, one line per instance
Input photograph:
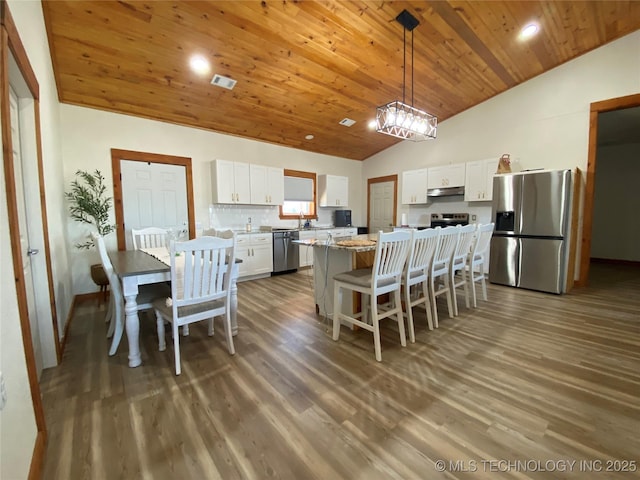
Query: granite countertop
(312, 242)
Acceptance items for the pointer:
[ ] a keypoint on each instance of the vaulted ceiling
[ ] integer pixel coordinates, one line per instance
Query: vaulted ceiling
(303, 66)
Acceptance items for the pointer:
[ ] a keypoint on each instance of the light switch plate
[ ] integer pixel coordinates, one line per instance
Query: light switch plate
(474, 218)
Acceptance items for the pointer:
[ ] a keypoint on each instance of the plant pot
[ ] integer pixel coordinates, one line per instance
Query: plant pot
(98, 275)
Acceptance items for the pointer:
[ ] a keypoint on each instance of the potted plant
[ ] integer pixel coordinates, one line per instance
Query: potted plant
(88, 203)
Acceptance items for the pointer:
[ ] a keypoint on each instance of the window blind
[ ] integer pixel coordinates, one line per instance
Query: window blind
(298, 189)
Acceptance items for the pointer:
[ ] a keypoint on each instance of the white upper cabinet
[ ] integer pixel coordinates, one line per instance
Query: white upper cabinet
(333, 191)
(414, 187)
(275, 178)
(446, 176)
(479, 180)
(243, 183)
(267, 185)
(230, 182)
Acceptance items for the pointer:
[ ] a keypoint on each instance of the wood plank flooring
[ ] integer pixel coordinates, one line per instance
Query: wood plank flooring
(527, 377)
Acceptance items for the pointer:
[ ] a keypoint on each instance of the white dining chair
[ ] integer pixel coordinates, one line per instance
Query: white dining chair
(477, 260)
(416, 274)
(384, 277)
(200, 281)
(439, 280)
(151, 237)
(212, 232)
(146, 295)
(459, 259)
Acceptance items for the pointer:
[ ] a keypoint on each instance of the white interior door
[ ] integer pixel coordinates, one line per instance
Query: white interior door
(381, 204)
(153, 195)
(25, 248)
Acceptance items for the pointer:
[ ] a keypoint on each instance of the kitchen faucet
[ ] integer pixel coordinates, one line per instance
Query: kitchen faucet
(300, 220)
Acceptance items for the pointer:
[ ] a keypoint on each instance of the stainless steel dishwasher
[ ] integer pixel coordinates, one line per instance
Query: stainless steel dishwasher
(286, 257)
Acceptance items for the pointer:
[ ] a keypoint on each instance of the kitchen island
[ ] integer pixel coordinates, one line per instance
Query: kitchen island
(333, 257)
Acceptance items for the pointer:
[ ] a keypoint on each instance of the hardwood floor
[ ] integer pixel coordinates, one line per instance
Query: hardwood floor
(527, 377)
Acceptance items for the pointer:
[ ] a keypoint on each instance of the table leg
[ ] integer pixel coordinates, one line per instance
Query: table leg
(234, 300)
(132, 325)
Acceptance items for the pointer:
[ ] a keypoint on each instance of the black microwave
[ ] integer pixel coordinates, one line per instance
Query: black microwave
(342, 218)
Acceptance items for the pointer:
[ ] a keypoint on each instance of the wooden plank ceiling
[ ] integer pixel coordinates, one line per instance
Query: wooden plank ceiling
(302, 66)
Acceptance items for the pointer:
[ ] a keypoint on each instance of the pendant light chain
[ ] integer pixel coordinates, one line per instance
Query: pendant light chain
(412, 68)
(404, 62)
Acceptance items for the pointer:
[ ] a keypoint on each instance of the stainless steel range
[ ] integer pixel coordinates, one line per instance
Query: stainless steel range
(449, 219)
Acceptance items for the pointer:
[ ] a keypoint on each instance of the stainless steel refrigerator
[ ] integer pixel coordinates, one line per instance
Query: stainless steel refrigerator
(529, 247)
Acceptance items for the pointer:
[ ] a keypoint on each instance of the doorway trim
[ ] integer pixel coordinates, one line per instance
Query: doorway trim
(10, 41)
(117, 155)
(587, 215)
(388, 178)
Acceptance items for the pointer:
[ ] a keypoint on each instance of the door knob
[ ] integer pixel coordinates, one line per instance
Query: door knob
(32, 251)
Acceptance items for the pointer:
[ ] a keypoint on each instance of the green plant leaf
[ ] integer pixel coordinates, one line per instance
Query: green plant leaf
(88, 203)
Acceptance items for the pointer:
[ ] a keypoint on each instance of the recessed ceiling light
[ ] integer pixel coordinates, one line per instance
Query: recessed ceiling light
(199, 64)
(309, 137)
(529, 31)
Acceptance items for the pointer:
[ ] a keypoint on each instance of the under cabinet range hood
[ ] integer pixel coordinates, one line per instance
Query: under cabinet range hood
(445, 191)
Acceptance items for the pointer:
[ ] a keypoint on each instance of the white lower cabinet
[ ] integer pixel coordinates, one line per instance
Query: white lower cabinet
(256, 252)
(343, 232)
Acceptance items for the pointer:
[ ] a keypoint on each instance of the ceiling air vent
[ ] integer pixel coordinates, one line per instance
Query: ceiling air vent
(223, 82)
(347, 122)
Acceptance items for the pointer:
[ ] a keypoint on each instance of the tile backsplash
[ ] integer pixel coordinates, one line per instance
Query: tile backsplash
(236, 217)
(421, 214)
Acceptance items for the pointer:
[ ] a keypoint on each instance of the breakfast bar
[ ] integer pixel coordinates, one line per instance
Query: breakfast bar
(331, 258)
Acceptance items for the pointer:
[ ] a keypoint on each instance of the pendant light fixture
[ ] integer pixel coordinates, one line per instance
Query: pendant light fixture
(398, 118)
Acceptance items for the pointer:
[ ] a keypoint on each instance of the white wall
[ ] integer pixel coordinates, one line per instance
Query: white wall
(88, 136)
(542, 123)
(617, 203)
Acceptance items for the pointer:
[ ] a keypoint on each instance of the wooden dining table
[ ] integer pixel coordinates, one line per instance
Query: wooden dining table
(135, 268)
